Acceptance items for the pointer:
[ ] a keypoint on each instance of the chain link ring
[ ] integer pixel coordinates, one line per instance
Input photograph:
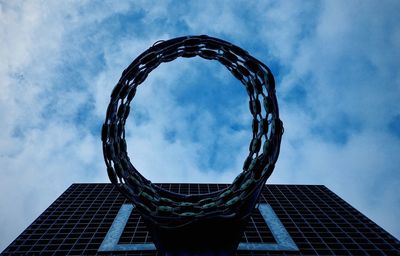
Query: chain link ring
(172, 210)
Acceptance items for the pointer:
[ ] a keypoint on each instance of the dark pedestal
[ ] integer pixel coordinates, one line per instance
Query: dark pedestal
(218, 237)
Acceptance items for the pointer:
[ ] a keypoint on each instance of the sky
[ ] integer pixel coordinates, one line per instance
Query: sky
(336, 66)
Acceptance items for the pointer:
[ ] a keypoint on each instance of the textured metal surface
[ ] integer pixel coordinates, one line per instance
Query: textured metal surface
(319, 222)
(172, 210)
(283, 240)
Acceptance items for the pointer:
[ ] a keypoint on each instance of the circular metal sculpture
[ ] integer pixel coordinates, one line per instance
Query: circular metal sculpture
(169, 213)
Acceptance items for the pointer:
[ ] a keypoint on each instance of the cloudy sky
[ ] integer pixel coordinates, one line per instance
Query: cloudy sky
(336, 64)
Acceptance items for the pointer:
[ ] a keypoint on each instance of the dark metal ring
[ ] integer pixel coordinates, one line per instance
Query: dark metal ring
(171, 210)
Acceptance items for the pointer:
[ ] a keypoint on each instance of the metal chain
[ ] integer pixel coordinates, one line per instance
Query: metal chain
(171, 210)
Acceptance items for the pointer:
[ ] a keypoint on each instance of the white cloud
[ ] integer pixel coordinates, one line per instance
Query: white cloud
(347, 68)
(60, 59)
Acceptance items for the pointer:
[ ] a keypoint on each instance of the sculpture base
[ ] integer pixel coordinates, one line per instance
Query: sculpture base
(218, 237)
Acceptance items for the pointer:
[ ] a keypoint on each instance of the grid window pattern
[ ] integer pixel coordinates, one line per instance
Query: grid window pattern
(319, 222)
(256, 231)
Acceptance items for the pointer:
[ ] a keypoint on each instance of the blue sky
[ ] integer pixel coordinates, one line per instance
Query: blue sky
(338, 86)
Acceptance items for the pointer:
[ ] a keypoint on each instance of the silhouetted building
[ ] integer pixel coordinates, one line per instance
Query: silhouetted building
(90, 219)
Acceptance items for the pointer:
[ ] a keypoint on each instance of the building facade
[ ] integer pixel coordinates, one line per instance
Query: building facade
(94, 219)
